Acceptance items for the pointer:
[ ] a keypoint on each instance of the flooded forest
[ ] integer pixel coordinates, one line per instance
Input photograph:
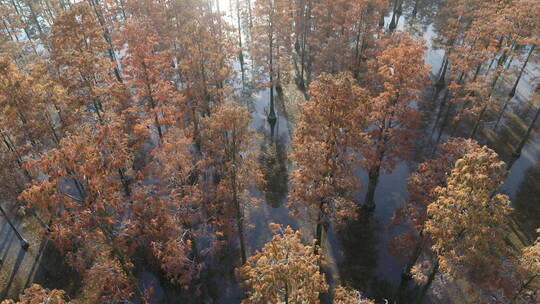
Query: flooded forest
(270, 151)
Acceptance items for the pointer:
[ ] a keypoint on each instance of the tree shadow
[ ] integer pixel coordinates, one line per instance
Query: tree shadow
(6, 245)
(51, 270)
(527, 203)
(358, 240)
(16, 266)
(273, 161)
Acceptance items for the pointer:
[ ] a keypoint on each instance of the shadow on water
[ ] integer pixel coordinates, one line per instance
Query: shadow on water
(357, 269)
(527, 203)
(51, 271)
(273, 161)
(16, 266)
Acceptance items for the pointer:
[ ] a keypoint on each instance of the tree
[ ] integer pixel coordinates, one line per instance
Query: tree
(397, 76)
(342, 31)
(467, 220)
(344, 295)
(84, 194)
(328, 133)
(37, 294)
(284, 271)
(203, 53)
(271, 45)
(421, 185)
(166, 211)
(148, 69)
(229, 152)
(78, 49)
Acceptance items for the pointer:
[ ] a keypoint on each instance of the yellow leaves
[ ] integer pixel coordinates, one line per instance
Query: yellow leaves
(283, 269)
(344, 295)
(466, 223)
(38, 295)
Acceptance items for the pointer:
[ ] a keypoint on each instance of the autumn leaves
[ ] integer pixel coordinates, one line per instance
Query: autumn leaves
(125, 136)
(344, 125)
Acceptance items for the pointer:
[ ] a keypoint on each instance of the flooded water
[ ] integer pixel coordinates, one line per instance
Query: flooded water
(358, 255)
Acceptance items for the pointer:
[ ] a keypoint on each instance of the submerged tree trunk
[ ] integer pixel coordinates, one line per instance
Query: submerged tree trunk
(369, 202)
(446, 115)
(24, 243)
(319, 229)
(439, 112)
(441, 82)
(406, 273)
(241, 52)
(514, 88)
(485, 107)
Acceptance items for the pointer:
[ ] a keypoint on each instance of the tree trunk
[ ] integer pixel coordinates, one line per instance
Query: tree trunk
(441, 82)
(107, 37)
(319, 228)
(517, 152)
(426, 287)
(439, 112)
(241, 52)
(415, 9)
(24, 243)
(272, 114)
(443, 126)
(406, 273)
(369, 202)
(484, 108)
(514, 88)
(239, 217)
(250, 21)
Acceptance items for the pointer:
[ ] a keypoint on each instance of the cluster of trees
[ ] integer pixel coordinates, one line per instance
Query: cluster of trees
(482, 40)
(120, 130)
(121, 133)
(460, 226)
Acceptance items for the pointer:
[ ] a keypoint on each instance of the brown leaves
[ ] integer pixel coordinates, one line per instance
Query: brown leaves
(328, 133)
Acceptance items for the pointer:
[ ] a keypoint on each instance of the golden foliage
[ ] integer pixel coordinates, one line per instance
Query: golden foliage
(284, 271)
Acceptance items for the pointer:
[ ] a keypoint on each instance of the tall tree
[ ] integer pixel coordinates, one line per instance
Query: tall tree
(397, 76)
(421, 185)
(430, 174)
(84, 193)
(166, 212)
(328, 133)
(78, 49)
(147, 65)
(229, 151)
(203, 54)
(341, 33)
(271, 45)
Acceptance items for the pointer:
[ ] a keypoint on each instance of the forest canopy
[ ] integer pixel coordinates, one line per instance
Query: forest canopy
(269, 151)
